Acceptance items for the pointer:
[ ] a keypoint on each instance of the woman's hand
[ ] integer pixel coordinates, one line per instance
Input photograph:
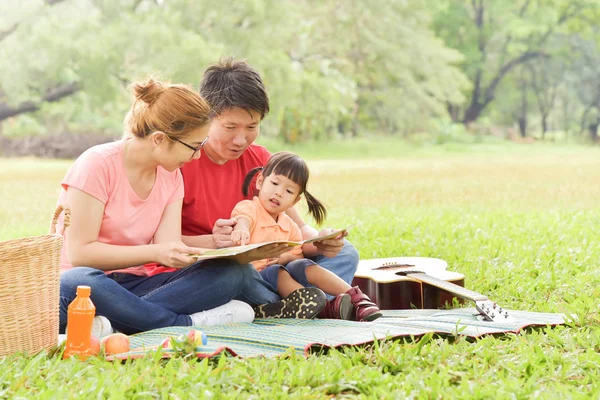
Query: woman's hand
(269, 251)
(222, 232)
(176, 254)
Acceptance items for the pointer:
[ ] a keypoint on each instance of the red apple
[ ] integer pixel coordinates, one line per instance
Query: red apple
(116, 343)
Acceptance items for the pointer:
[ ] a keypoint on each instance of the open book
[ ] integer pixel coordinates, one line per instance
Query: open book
(236, 250)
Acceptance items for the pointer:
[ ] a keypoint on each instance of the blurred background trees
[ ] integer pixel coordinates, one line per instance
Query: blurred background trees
(334, 68)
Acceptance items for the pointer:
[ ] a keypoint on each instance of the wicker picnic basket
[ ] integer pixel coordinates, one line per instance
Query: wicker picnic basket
(29, 290)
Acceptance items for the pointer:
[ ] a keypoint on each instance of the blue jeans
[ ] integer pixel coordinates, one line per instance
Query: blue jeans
(256, 290)
(296, 269)
(343, 265)
(134, 303)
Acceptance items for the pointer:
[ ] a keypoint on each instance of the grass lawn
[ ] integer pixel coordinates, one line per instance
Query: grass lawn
(522, 223)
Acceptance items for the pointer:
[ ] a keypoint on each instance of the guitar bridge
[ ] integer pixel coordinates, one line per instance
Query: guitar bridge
(390, 265)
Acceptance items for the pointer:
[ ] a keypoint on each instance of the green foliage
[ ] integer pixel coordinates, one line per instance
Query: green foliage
(319, 83)
(498, 37)
(404, 75)
(333, 69)
(448, 131)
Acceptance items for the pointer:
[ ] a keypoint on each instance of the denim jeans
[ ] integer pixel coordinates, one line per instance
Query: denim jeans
(257, 291)
(134, 303)
(343, 265)
(296, 269)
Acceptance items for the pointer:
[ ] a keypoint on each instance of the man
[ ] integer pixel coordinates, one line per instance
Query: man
(213, 182)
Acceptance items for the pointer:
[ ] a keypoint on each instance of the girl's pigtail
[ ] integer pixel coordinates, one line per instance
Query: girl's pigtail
(315, 208)
(248, 180)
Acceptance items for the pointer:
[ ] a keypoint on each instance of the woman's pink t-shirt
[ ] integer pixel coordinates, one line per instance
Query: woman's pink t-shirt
(128, 220)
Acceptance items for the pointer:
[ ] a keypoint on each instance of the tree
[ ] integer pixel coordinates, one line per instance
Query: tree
(98, 46)
(404, 74)
(16, 18)
(498, 36)
(332, 66)
(87, 51)
(545, 79)
(587, 68)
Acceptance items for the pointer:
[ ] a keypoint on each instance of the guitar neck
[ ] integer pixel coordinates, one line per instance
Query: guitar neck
(449, 286)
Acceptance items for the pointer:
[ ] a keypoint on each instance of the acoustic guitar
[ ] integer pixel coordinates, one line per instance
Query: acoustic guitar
(419, 282)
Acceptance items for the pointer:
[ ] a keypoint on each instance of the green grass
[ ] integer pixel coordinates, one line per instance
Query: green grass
(522, 223)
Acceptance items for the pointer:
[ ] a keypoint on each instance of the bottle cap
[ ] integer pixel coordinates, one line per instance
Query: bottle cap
(84, 291)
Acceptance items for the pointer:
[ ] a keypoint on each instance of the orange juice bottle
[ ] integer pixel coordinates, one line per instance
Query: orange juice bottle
(80, 318)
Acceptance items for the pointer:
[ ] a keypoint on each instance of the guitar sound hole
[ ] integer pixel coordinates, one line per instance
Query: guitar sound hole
(407, 273)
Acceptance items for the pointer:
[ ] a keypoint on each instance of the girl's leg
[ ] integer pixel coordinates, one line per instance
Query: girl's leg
(286, 284)
(347, 303)
(279, 279)
(326, 280)
(343, 265)
(307, 273)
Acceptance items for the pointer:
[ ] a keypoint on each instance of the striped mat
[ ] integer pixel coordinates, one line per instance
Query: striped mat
(273, 337)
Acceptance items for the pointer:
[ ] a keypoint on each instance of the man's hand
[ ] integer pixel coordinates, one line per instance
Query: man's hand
(330, 247)
(222, 232)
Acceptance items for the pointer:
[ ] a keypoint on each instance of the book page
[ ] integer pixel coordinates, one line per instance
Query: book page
(236, 250)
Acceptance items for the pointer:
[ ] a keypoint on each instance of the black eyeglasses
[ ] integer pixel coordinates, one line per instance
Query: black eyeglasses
(189, 146)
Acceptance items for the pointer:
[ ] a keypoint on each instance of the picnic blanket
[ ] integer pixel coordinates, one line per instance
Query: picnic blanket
(274, 337)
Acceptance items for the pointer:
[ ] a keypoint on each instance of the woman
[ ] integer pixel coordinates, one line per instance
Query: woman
(125, 199)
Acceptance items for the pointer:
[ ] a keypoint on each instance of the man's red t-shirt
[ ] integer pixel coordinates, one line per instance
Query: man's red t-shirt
(212, 191)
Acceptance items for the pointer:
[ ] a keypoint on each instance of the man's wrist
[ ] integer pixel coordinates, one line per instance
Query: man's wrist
(205, 241)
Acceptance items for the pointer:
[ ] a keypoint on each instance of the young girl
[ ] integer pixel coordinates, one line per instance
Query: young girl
(280, 185)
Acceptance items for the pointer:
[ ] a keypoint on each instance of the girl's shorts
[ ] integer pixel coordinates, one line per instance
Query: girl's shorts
(296, 268)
